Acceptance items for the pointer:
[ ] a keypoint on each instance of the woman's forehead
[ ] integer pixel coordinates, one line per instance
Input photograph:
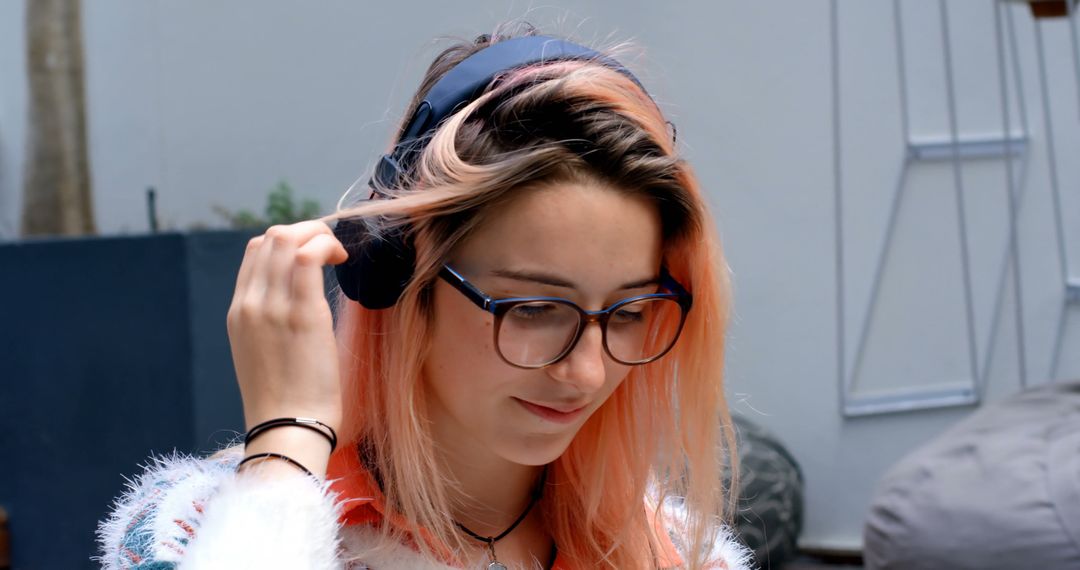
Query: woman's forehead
(583, 233)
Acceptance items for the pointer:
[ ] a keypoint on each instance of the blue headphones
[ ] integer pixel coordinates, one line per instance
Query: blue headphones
(378, 269)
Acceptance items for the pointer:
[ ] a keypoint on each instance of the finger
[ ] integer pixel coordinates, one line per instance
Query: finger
(243, 276)
(257, 281)
(307, 278)
(322, 249)
(307, 229)
(286, 240)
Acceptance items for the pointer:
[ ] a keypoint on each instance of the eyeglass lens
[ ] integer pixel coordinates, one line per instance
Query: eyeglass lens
(539, 332)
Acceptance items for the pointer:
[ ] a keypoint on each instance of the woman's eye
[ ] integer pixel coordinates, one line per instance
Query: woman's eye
(533, 310)
(628, 316)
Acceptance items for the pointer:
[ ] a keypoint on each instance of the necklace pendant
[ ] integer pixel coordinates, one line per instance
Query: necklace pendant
(496, 566)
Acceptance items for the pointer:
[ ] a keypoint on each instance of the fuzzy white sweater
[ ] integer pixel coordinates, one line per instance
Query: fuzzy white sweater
(196, 514)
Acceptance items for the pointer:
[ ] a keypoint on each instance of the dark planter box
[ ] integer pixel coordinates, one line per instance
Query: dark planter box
(110, 349)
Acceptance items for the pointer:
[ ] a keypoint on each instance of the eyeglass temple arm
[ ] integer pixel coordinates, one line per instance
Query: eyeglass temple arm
(668, 281)
(470, 291)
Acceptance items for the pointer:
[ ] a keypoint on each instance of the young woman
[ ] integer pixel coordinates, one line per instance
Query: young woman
(525, 369)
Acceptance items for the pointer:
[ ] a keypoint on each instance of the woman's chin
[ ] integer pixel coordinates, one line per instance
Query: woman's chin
(537, 450)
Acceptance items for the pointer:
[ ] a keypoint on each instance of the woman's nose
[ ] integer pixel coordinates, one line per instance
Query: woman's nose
(584, 366)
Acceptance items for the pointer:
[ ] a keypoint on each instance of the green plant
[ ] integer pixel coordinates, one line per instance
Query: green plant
(281, 208)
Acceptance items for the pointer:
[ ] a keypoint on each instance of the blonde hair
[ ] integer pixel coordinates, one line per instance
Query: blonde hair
(665, 431)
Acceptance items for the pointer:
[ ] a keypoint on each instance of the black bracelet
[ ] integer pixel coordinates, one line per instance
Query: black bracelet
(306, 423)
(285, 458)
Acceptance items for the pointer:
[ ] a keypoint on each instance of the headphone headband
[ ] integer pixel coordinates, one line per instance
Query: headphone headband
(465, 82)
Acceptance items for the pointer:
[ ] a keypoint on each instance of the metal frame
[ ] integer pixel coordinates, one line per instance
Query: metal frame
(1055, 190)
(1010, 147)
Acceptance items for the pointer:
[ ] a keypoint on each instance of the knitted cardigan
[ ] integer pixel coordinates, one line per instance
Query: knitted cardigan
(193, 513)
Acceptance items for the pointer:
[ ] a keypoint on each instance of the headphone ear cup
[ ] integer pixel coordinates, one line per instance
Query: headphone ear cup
(379, 267)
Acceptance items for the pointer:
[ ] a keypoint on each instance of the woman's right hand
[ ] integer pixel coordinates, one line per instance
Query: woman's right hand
(281, 332)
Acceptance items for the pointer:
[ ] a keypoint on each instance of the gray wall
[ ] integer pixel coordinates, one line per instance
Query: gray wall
(213, 103)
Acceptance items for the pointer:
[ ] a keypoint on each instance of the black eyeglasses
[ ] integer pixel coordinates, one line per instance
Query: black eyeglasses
(533, 332)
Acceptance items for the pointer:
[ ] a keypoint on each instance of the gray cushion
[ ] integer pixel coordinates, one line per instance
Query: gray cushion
(1000, 490)
(770, 512)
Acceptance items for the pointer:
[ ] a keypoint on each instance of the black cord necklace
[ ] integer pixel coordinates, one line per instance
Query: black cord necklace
(491, 540)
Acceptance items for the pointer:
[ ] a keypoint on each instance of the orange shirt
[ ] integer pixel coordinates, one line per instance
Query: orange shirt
(363, 504)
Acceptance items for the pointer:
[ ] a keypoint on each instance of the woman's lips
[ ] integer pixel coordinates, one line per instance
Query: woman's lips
(552, 414)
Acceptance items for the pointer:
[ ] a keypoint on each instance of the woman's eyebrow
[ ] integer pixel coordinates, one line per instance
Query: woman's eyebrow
(640, 283)
(555, 281)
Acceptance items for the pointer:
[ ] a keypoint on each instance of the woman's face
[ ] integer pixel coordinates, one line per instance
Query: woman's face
(581, 241)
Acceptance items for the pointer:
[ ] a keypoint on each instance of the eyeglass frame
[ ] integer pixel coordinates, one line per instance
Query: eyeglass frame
(499, 308)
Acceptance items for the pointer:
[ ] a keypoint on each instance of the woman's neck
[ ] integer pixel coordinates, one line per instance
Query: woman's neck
(491, 492)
